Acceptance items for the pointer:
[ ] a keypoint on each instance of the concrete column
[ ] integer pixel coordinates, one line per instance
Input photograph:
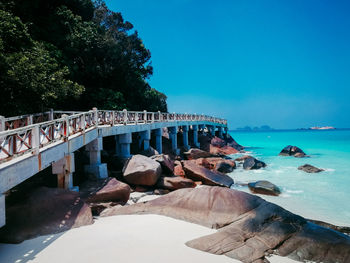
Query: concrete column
(2, 123)
(145, 137)
(159, 143)
(195, 136)
(64, 170)
(124, 141)
(211, 129)
(220, 132)
(201, 128)
(226, 132)
(2, 210)
(173, 138)
(96, 169)
(117, 145)
(185, 137)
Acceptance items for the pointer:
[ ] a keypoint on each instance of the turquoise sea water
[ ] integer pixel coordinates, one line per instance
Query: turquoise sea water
(322, 196)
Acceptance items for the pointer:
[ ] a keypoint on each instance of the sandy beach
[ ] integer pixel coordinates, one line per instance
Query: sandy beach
(129, 238)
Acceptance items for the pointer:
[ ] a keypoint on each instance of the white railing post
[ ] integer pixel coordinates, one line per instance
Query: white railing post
(51, 117)
(160, 116)
(113, 118)
(95, 116)
(29, 120)
(152, 117)
(145, 116)
(82, 122)
(136, 117)
(125, 116)
(36, 139)
(2, 123)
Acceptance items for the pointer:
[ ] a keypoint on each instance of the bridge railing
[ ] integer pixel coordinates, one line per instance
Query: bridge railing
(31, 135)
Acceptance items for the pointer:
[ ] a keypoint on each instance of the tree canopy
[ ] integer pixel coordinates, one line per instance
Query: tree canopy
(72, 55)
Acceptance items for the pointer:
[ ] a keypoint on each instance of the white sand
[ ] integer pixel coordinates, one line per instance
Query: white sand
(129, 238)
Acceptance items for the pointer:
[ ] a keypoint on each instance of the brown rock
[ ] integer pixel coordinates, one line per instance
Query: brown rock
(149, 152)
(253, 164)
(45, 211)
(112, 191)
(178, 170)
(166, 163)
(208, 177)
(226, 150)
(242, 158)
(292, 151)
(218, 142)
(174, 183)
(161, 192)
(195, 153)
(250, 227)
(141, 170)
(225, 166)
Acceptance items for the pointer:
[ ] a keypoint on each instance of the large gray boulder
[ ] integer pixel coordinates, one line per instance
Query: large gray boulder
(250, 228)
(308, 168)
(252, 164)
(291, 150)
(264, 187)
(195, 153)
(166, 163)
(141, 170)
(206, 176)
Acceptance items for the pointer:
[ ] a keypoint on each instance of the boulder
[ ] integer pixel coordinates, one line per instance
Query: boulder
(264, 187)
(231, 142)
(252, 164)
(149, 152)
(250, 228)
(226, 150)
(178, 170)
(166, 163)
(44, 211)
(309, 168)
(292, 151)
(174, 183)
(242, 158)
(112, 191)
(141, 170)
(218, 142)
(225, 166)
(212, 163)
(206, 176)
(195, 153)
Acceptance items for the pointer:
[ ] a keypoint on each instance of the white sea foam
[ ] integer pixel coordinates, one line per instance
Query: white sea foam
(329, 169)
(294, 191)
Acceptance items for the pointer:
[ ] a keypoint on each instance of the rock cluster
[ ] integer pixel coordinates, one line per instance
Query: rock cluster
(292, 151)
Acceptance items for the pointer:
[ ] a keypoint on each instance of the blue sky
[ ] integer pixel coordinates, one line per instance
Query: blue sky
(281, 63)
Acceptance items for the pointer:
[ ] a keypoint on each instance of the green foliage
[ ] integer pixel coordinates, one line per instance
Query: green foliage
(62, 43)
(31, 79)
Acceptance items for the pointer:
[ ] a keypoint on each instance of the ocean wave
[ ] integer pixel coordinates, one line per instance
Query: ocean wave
(329, 169)
(294, 191)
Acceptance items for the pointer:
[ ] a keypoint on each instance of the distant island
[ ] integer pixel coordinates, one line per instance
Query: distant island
(261, 128)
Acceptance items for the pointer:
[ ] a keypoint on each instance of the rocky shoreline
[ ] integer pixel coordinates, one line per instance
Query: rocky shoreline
(193, 187)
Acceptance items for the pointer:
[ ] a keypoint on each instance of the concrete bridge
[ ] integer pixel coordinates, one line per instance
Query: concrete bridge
(31, 143)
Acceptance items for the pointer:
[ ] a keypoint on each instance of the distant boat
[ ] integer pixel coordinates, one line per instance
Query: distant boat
(322, 128)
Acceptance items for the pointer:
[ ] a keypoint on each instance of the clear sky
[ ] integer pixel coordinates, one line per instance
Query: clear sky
(284, 63)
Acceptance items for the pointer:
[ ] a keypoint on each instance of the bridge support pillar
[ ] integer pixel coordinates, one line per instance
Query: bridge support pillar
(173, 138)
(145, 137)
(211, 130)
(124, 141)
(96, 169)
(185, 137)
(226, 132)
(195, 136)
(220, 132)
(2, 210)
(159, 143)
(201, 128)
(64, 169)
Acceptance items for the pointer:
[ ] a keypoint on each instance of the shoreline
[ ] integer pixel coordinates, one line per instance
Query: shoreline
(125, 238)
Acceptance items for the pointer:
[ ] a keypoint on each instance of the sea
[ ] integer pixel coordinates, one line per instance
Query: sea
(321, 196)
